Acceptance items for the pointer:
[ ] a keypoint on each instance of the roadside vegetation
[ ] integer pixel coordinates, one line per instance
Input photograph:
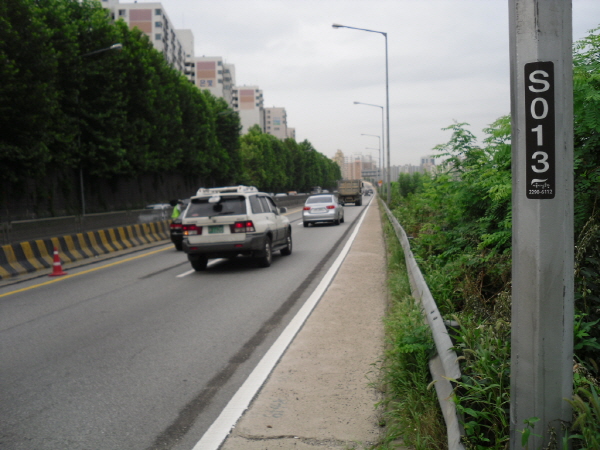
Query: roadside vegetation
(460, 222)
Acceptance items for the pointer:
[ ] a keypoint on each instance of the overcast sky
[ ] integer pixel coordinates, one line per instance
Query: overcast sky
(448, 60)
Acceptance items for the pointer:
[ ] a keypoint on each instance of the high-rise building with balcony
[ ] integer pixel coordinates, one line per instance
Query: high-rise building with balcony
(248, 102)
(213, 74)
(275, 122)
(152, 20)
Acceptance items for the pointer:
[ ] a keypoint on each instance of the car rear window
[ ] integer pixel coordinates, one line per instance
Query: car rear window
(320, 199)
(199, 207)
(262, 204)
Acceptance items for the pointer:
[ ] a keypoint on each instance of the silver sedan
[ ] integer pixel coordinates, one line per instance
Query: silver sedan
(322, 208)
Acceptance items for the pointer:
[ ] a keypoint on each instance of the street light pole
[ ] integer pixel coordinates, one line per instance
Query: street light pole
(378, 137)
(387, 99)
(118, 47)
(382, 145)
(378, 161)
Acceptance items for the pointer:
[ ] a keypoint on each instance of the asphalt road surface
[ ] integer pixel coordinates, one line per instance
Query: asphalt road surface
(141, 352)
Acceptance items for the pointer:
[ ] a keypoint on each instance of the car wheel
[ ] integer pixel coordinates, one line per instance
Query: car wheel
(267, 255)
(305, 224)
(342, 219)
(198, 262)
(336, 221)
(179, 246)
(287, 250)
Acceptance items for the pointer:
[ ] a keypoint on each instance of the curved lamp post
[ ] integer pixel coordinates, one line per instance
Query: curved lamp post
(382, 145)
(387, 99)
(379, 150)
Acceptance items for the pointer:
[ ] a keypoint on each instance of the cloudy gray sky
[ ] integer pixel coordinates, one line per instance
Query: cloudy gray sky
(448, 60)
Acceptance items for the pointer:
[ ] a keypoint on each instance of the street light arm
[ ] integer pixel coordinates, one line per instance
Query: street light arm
(368, 104)
(117, 46)
(337, 25)
(387, 101)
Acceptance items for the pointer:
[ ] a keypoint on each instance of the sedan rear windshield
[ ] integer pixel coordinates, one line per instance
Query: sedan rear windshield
(200, 207)
(320, 199)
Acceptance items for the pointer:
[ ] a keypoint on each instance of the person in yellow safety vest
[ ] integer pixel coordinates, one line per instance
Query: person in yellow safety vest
(177, 209)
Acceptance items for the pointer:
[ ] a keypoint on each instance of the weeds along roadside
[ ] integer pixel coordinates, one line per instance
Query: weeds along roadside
(411, 412)
(470, 285)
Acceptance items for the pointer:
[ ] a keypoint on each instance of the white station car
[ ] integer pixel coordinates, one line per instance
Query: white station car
(236, 220)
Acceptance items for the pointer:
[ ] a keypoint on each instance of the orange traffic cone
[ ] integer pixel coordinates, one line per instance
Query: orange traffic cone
(57, 267)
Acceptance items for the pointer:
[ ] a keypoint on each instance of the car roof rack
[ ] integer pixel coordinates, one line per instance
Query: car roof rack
(227, 189)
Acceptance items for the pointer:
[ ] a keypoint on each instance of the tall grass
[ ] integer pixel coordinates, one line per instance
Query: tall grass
(411, 411)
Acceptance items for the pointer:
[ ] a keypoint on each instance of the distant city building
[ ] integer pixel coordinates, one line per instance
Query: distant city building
(248, 102)
(275, 122)
(186, 37)
(228, 82)
(210, 73)
(428, 164)
(338, 158)
(207, 73)
(152, 20)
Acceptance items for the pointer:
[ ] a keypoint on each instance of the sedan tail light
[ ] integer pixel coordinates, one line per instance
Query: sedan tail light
(175, 226)
(189, 230)
(306, 208)
(246, 226)
(330, 206)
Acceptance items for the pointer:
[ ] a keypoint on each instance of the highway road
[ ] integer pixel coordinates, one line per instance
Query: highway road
(141, 352)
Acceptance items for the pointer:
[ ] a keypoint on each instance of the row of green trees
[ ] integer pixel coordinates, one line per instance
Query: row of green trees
(461, 220)
(119, 113)
(276, 165)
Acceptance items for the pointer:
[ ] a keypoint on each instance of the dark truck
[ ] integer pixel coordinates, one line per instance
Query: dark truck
(350, 191)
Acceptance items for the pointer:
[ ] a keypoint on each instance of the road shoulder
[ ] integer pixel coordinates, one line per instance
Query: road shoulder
(320, 393)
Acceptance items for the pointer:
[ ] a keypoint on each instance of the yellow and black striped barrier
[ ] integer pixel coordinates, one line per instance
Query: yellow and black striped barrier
(31, 256)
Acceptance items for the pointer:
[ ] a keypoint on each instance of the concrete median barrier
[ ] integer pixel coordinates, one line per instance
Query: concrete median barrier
(36, 255)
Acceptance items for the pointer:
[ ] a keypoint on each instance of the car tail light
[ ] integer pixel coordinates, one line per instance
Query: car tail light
(245, 226)
(175, 226)
(189, 230)
(330, 206)
(306, 208)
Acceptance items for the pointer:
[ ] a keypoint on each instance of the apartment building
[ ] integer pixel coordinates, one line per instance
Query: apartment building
(275, 122)
(213, 74)
(210, 73)
(248, 102)
(153, 21)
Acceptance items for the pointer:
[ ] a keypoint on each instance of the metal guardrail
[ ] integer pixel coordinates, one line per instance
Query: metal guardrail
(444, 366)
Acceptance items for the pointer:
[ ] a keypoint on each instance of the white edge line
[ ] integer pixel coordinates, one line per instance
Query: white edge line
(222, 426)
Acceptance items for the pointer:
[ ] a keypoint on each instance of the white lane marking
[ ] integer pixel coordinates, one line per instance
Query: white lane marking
(210, 264)
(185, 274)
(221, 427)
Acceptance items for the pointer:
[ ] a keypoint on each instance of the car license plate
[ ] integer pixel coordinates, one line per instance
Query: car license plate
(215, 229)
(319, 210)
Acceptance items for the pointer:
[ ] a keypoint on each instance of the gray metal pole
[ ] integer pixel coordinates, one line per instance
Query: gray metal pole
(387, 98)
(382, 151)
(542, 155)
(387, 112)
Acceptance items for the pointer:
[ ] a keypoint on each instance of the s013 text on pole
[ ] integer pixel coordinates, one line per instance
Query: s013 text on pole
(540, 132)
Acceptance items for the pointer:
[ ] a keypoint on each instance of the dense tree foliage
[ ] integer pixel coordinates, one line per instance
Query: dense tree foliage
(276, 165)
(65, 107)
